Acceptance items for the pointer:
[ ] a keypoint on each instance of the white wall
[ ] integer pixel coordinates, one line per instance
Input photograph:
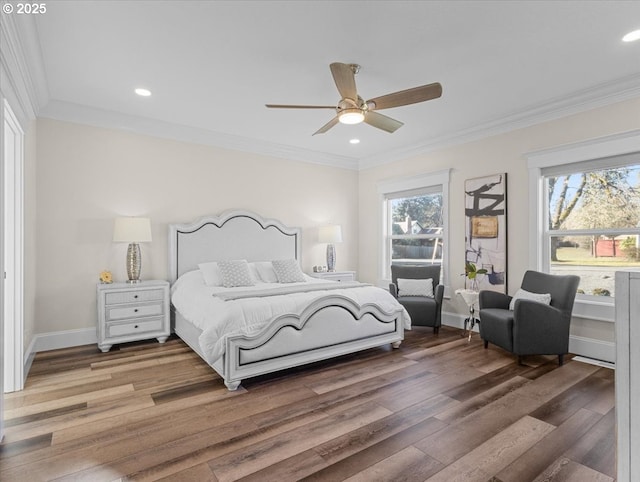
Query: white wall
(497, 154)
(87, 176)
(30, 232)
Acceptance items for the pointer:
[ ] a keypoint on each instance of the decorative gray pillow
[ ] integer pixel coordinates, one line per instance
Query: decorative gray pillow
(527, 295)
(235, 273)
(288, 271)
(415, 287)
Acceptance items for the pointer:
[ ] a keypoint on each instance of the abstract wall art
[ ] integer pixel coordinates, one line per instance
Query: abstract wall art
(486, 230)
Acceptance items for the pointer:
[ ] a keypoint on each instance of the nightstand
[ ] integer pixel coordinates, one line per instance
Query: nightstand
(335, 275)
(130, 312)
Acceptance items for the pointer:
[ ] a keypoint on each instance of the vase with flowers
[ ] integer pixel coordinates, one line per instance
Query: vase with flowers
(471, 272)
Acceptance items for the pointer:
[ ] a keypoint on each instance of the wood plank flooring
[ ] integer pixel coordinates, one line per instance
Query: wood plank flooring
(440, 408)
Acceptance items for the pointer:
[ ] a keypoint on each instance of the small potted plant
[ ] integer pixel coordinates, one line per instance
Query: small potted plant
(471, 272)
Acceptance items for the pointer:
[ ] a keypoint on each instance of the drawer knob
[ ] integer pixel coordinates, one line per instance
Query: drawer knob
(135, 310)
(136, 326)
(135, 296)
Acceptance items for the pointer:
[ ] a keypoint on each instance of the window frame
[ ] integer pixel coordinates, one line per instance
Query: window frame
(601, 152)
(406, 187)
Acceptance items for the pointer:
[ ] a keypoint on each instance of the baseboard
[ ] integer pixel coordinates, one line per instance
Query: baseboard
(64, 339)
(578, 345)
(56, 340)
(592, 348)
(455, 320)
(29, 355)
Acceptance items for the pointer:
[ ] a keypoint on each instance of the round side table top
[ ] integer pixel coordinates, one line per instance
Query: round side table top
(470, 297)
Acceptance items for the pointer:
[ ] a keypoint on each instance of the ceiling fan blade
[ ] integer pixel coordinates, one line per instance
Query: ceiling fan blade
(344, 78)
(327, 126)
(406, 97)
(285, 106)
(382, 122)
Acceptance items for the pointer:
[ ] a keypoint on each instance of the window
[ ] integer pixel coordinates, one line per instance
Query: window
(414, 221)
(593, 222)
(587, 218)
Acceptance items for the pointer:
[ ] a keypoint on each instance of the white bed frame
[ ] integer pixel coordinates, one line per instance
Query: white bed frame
(331, 326)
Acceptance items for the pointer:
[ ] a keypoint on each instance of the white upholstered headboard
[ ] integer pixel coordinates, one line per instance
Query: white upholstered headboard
(232, 235)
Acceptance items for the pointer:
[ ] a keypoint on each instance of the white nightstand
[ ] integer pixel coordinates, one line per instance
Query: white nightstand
(131, 312)
(335, 275)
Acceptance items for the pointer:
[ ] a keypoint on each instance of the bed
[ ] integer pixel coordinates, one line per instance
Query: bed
(250, 330)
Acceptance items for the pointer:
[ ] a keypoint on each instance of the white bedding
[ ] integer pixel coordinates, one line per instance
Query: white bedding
(218, 319)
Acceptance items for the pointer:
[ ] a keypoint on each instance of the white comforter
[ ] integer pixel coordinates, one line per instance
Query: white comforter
(218, 319)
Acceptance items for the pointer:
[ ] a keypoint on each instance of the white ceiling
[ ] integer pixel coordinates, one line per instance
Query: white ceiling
(212, 65)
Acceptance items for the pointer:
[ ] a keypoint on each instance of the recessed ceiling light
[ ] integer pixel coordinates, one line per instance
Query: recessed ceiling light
(143, 92)
(354, 141)
(631, 36)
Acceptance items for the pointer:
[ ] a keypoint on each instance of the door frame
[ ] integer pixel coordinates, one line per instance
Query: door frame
(13, 223)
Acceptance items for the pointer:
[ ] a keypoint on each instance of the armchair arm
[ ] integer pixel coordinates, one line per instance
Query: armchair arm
(393, 289)
(539, 329)
(493, 299)
(439, 294)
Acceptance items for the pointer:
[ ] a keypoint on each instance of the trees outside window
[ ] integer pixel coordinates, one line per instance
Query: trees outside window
(415, 229)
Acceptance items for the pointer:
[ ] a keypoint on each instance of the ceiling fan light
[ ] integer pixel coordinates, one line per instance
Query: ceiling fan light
(351, 116)
(632, 36)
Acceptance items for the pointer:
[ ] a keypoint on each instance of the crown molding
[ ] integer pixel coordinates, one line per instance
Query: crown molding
(599, 96)
(69, 112)
(24, 82)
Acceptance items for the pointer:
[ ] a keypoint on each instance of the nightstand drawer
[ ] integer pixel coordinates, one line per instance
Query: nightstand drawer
(134, 327)
(133, 296)
(123, 312)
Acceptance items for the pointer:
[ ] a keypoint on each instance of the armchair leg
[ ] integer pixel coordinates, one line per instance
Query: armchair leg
(486, 344)
(436, 329)
(520, 360)
(560, 360)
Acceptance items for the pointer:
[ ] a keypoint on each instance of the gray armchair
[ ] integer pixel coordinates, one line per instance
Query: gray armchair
(424, 310)
(532, 328)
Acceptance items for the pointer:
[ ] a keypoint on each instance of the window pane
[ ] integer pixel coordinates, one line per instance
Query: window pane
(595, 259)
(416, 251)
(416, 214)
(607, 198)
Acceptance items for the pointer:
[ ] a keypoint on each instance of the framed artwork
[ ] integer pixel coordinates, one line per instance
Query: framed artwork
(486, 230)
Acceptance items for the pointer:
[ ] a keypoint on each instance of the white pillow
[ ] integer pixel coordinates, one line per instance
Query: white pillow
(253, 269)
(211, 274)
(527, 295)
(415, 287)
(266, 272)
(288, 271)
(235, 273)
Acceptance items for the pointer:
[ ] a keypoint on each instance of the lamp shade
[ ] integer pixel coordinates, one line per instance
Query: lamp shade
(330, 234)
(132, 230)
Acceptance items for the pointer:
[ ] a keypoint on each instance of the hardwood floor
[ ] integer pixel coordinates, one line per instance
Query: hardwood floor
(440, 408)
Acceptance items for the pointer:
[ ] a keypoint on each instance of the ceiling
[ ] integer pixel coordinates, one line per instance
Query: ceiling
(212, 65)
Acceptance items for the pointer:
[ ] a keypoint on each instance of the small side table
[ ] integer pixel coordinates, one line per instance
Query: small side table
(470, 297)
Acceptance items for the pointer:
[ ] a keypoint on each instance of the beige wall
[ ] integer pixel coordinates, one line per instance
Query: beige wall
(30, 232)
(87, 176)
(500, 153)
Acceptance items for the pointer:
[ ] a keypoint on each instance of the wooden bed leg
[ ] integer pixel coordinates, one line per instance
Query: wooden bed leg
(396, 344)
(232, 386)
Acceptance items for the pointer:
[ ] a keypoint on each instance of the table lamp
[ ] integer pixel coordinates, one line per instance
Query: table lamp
(133, 231)
(330, 235)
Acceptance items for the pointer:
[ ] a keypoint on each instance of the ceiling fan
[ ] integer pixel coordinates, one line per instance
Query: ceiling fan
(352, 109)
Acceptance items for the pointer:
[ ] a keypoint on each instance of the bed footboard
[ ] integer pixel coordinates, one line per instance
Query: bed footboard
(331, 326)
